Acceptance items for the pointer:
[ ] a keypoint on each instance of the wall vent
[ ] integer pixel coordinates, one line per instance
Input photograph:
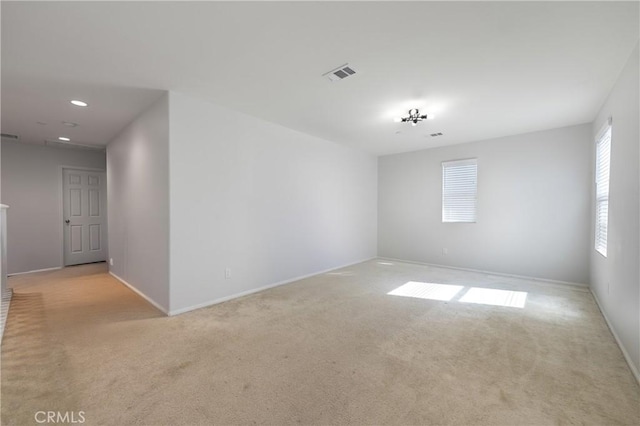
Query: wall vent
(433, 135)
(339, 73)
(10, 136)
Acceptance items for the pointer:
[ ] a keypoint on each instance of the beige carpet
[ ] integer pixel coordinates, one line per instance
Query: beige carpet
(332, 349)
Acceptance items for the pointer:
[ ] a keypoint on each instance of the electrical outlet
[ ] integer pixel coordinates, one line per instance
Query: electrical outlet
(227, 273)
(445, 251)
(111, 261)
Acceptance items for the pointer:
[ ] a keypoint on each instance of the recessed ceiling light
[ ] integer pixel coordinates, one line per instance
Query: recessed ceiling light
(70, 124)
(79, 103)
(62, 138)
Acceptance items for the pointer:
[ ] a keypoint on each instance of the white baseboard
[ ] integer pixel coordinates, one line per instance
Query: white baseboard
(4, 311)
(35, 270)
(139, 293)
(256, 290)
(500, 274)
(627, 358)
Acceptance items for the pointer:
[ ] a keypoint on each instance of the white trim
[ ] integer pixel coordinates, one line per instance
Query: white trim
(85, 169)
(463, 162)
(139, 293)
(4, 311)
(604, 128)
(256, 290)
(35, 271)
(500, 274)
(626, 355)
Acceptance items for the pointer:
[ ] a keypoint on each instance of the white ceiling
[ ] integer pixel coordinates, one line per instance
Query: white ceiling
(486, 69)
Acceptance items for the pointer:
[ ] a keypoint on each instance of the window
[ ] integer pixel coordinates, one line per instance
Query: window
(459, 190)
(603, 156)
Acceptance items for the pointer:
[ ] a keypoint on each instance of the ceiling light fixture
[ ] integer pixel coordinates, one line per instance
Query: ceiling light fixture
(413, 118)
(62, 138)
(79, 103)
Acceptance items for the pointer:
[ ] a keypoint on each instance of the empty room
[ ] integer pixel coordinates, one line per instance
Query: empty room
(323, 213)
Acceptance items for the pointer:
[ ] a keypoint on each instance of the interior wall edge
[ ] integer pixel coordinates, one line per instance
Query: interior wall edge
(624, 351)
(500, 274)
(141, 294)
(263, 288)
(35, 271)
(615, 278)
(138, 203)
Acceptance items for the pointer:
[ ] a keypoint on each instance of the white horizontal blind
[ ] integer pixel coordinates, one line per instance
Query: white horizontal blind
(459, 190)
(603, 156)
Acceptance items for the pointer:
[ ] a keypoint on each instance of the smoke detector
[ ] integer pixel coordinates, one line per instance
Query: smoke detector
(339, 73)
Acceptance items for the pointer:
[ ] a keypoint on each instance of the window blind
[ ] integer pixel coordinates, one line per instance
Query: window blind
(459, 190)
(603, 157)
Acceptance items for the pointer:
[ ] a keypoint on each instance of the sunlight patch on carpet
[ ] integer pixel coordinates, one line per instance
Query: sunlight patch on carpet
(489, 296)
(432, 291)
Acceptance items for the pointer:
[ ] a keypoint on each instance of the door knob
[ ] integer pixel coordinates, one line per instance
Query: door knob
(67, 221)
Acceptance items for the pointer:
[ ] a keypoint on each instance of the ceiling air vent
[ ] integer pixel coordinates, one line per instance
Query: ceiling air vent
(10, 136)
(339, 73)
(433, 135)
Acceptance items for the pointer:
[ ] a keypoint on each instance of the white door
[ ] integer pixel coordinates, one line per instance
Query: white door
(85, 216)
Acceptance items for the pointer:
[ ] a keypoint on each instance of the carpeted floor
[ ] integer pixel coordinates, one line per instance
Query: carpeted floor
(331, 349)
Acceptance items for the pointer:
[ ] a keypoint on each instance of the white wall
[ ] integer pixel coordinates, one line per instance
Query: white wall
(268, 202)
(533, 206)
(138, 190)
(615, 280)
(31, 186)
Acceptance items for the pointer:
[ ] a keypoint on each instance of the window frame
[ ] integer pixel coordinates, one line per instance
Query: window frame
(602, 188)
(446, 195)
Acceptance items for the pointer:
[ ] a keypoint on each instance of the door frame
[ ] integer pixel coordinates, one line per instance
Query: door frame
(61, 205)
